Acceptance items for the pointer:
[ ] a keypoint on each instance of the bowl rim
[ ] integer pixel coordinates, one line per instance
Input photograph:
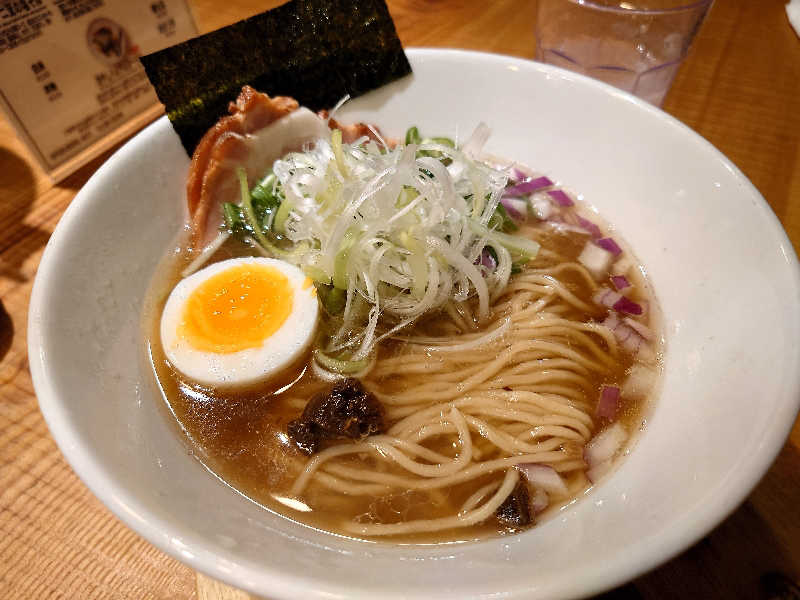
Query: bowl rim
(249, 575)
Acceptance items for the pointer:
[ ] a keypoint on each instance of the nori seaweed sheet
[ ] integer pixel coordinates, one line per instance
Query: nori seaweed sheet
(313, 50)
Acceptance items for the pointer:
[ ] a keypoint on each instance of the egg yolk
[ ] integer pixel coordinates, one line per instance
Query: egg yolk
(236, 309)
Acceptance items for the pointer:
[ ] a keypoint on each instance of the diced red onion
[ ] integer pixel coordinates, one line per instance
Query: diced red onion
(539, 500)
(517, 209)
(567, 227)
(626, 305)
(517, 175)
(642, 329)
(628, 338)
(542, 207)
(621, 266)
(608, 403)
(565, 220)
(610, 245)
(569, 216)
(596, 472)
(544, 477)
(639, 382)
(612, 321)
(605, 445)
(620, 282)
(607, 297)
(592, 228)
(487, 260)
(527, 187)
(595, 259)
(560, 197)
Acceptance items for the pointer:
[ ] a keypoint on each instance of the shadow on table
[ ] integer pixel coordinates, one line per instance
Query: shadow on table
(77, 180)
(18, 182)
(19, 186)
(6, 331)
(751, 555)
(626, 592)
(18, 240)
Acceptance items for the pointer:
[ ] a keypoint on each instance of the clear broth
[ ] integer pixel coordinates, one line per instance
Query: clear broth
(241, 436)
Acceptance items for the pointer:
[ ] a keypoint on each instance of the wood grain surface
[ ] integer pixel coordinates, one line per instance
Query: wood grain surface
(739, 88)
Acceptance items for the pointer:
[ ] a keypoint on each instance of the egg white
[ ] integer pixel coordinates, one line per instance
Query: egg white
(252, 365)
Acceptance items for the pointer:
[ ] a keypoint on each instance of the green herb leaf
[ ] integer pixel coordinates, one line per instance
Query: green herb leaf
(412, 136)
(500, 220)
(234, 221)
(333, 299)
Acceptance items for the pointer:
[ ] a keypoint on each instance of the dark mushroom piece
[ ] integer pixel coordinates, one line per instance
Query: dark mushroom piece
(346, 410)
(515, 510)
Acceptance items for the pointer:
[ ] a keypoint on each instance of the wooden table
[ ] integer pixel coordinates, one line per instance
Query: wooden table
(740, 88)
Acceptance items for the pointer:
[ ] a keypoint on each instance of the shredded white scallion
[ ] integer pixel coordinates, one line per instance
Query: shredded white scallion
(401, 230)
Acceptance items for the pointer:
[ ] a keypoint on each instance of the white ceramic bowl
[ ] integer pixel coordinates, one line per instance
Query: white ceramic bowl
(722, 267)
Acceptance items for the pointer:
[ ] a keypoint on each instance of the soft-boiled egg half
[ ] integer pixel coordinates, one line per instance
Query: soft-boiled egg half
(239, 321)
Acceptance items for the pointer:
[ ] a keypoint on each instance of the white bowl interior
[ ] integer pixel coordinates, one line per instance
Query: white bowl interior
(722, 268)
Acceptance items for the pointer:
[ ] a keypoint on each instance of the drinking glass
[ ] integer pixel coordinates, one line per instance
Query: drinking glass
(635, 45)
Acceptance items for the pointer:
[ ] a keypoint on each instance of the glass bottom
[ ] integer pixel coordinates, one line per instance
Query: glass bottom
(640, 75)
